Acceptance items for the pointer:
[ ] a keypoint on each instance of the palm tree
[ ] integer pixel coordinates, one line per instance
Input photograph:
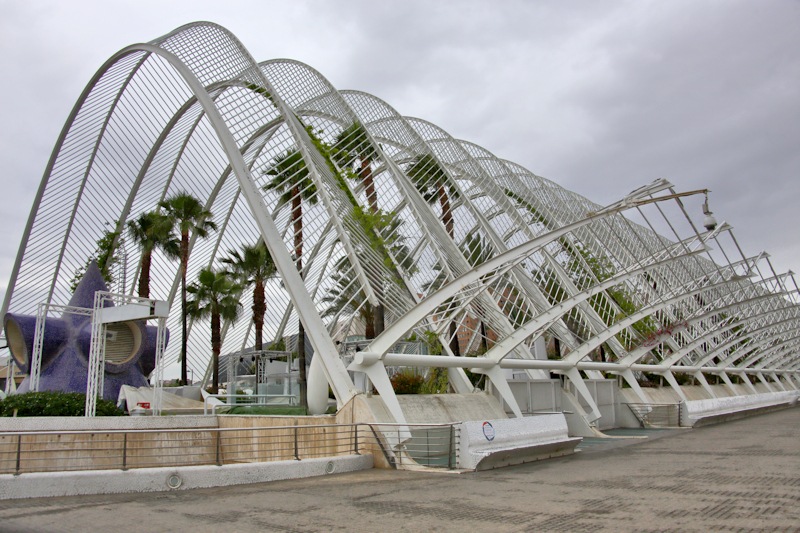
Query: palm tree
(214, 295)
(187, 214)
(290, 179)
(477, 250)
(353, 149)
(431, 181)
(151, 231)
(346, 296)
(253, 266)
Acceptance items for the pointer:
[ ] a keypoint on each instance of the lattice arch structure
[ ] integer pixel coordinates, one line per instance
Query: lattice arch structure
(437, 235)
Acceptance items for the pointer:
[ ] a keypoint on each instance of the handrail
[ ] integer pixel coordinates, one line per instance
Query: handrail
(103, 449)
(656, 414)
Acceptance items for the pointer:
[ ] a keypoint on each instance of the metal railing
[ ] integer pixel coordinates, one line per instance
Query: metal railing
(58, 451)
(657, 415)
(431, 445)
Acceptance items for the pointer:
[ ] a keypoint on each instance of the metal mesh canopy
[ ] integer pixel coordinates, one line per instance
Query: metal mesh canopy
(368, 212)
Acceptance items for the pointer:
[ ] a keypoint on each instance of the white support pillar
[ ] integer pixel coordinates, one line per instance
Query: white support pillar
(702, 379)
(777, 380)
(630, 379)
(38, 342)
(158, 386)
(670, 377)
(574, 376)
(728, 383)
(11, 384)
(747, 382)
(97, 350)
(763, 380)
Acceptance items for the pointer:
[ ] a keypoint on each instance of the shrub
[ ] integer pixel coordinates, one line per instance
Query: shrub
(53, 403)
(437, 382)
(406, 382)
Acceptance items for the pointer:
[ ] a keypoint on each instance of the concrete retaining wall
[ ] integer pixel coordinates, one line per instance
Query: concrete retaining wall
(98, 450)
(38, 485)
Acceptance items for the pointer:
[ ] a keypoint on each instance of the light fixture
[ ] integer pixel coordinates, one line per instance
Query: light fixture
(709, 222)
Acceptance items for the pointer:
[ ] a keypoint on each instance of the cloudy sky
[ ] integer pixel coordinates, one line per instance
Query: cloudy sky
(600, 97)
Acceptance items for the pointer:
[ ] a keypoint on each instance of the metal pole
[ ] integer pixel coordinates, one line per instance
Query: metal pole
(38, 340)
(296, 449)
(19, 451)
(158, 386)
(450, 447)
(124, 451)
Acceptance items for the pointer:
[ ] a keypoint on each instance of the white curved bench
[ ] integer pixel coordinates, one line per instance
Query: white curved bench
(494, 443)
(699, 412)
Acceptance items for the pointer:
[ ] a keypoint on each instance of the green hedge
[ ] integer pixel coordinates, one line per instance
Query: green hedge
(53, 403)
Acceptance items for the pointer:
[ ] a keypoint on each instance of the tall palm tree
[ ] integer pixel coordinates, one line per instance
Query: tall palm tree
(477, 251)
(353, 149)
(215, 295)
(431, 181)
(253, 265)
(187, 214)
(290, 179)
(151, 231)
(346, 296)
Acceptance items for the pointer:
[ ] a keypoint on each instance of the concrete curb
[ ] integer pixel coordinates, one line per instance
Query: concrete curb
(54, 484)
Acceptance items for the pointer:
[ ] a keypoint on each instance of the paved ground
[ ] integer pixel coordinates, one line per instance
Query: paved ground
(740, 476)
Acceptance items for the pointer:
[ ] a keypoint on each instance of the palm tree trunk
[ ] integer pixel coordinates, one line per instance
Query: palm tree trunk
(216, 345)
(297, 219)
(184, 328)
(447, 220)
(369, 185)
(455, 346)
(259, 308)
(378, 320)
(369, 319)
(144, 275)
(447, 215)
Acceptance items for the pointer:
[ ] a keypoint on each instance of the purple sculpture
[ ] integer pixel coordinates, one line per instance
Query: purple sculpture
(130, 346)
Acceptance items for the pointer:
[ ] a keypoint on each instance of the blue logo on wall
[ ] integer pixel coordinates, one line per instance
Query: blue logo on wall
(488, 431)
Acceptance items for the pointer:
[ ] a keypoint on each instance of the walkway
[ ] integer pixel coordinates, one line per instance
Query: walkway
(740, 476)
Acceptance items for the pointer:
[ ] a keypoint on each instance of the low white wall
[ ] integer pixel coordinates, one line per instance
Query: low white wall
(39, 485)
(605, 393)
(535, 395)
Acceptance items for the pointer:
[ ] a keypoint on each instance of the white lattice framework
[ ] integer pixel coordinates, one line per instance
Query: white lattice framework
(472, 239)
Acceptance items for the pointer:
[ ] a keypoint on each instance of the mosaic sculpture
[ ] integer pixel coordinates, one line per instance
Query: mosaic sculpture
(130, 346)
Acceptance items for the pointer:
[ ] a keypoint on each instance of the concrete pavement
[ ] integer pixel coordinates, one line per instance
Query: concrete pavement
(739, 476)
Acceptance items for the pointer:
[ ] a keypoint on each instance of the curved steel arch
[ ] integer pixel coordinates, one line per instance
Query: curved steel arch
(189, 109)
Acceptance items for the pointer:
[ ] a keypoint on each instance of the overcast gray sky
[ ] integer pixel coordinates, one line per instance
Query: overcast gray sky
(600, 97)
